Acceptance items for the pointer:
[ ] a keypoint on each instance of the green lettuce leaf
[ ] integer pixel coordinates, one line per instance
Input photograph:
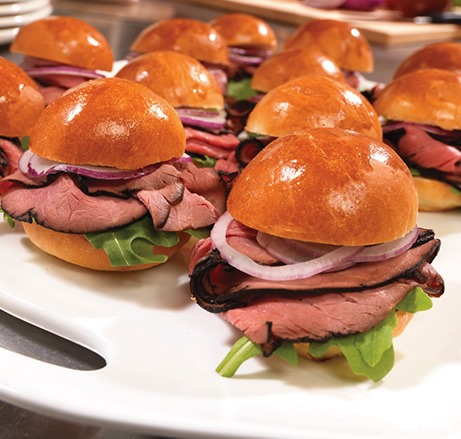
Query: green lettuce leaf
(241, 90)
(24, 143)
(133, 244)
(8, 219)
(204, 160)
(370, 354)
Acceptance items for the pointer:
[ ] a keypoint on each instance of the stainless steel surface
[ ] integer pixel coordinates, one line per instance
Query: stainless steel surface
(120, 24)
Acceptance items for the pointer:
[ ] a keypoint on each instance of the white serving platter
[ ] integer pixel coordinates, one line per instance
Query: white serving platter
(161, 351)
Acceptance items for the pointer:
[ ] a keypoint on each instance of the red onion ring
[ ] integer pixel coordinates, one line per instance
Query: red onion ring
(36, 72)
(36, 167)
(213, 120)
(300, 270)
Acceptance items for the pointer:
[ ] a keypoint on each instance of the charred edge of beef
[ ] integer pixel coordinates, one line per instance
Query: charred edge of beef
(201, 284)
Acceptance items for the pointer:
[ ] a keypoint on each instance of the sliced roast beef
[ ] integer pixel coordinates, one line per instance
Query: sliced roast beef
(273, 319)
(217, 287)
(213, 145)
(63, 207)
(330, 304)
(163, 193)
(9, 157)
(418, 147)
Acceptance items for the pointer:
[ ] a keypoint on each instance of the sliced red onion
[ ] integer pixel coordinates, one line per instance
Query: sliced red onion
(300, 270)
(37, 72)
(362, 5)
(387, 250)
(34, 166)
(245, 59)
(212, 120)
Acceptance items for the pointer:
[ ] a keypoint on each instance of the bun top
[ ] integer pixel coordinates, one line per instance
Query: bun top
(20, 100)
(180, 79)
(445, 56)
(192, 37)
(109, 122)
(66, 40)
(243, 30)
(328, 186)
(427, 96)
(340, 40)
(313, 102)
(291, 64)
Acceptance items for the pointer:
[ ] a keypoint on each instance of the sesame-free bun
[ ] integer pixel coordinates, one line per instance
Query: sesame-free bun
(244, 30)
(292, 64)
(328, 186)
(186, 35)
(342, 41)
(76, 249)
(109, 122)
(313, 102)
(427, 96)
(20, 100)
(435, 195)
(445, 56)
(180, 79)
(66, 40)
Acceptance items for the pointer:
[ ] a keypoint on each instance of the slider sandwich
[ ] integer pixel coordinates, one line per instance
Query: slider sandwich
(189, 36)
(318, 253)
(343, 43)
(445, 55)
(20, 105)
(197, 98)
(250, 40)
(61, 52)
(306, 102)
(422, 122)
(105, 183)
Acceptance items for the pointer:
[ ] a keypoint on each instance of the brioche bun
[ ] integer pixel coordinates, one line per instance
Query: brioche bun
(435, 195)
(292, 64)
(403, 318)
(244, 30)
(21, 101)
(180, 79)
(192, 37)
(66, 40)
(313, 102)
(445, 56)
(427, 96)
(339, 40)
(76, 249)
(329, 186)
(109, 122)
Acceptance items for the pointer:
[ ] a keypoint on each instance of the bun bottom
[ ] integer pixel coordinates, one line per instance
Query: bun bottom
(435, 195)
(77, 250)
(403, 318)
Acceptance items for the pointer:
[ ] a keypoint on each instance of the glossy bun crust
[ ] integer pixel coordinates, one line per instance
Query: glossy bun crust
(192, 37)
(313, 102)
(445, 56)
(435, 195)
(21, 101)
(292, 64)
(66, 40)
(180, 79)
(244, 30)
(427, 96)
(77, 250)
(328, 186)
(339, 40)
(109, 122)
